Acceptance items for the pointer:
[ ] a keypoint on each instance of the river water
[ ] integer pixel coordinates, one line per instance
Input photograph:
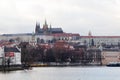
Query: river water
(64, 73)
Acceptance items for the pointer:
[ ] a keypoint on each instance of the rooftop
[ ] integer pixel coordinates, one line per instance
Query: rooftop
(100, 36)
(11, 49)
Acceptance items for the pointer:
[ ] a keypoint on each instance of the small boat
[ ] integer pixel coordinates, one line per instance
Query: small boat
(113, 64)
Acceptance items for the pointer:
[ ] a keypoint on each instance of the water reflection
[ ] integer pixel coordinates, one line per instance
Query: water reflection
(64, 73)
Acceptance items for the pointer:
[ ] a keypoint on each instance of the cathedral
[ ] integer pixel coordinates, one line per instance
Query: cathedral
(47, 30)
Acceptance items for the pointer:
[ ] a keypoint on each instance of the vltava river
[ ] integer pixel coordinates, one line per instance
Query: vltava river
(64, 73)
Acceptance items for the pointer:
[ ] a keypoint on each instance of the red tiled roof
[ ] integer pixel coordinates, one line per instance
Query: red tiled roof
(65, 34)
(4, 43)
(100, 36)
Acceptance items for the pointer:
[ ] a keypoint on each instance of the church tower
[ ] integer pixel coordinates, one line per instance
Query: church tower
(45, 27)
(37, 29)
(91, 40)
(89, 34)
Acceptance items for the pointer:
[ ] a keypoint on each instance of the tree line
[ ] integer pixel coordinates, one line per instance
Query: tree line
(30, 54)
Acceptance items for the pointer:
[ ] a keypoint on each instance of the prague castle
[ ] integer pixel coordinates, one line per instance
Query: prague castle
(47, 30)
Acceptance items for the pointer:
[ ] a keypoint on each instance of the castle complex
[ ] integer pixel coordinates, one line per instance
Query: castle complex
(48, 33)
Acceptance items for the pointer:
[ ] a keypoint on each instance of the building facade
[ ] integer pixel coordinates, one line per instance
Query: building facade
(110, 56)
(66, 36)
(1, 55)
(13, 54)
(10, 55)
(108, 40)
(93, 55)
(98, 40)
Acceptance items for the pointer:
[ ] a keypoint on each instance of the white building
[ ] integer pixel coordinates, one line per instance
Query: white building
(98, 40)
(108, 40)
(27, 37)
(18, 37)
(66, 36)
(46, 38)
(31, 37)
(13, 54)
(1, 55)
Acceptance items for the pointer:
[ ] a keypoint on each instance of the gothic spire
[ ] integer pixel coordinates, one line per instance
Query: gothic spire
(45, 22)
(45, 26)
(37, 27)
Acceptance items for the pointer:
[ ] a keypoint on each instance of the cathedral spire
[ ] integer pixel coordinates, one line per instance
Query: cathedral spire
(45, 22)
(37, 24)
(45, 26)
(37, 27)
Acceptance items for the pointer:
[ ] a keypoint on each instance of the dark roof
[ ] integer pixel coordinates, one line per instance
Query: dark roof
(105, 49)
(65, 34)
(80, 46)
(19, 34)
(96, 49)
(57, 29)
(11, 49)
(53, 30)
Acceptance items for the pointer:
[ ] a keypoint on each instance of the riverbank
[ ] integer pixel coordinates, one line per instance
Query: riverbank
(52, 64)
(10, 68)
(14, 67)
(62, 64)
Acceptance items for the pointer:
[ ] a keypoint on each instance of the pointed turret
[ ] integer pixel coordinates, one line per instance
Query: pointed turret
(45, 22)
(37, 27)
(45, 26)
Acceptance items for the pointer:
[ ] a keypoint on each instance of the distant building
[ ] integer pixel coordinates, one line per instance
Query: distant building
(1, 55)
(93, 55)
(61, 45)
(41, 35)
(109, 56)
(25, 37)
(91, 40)
(11, 55)
(66, 36)
(46, 29)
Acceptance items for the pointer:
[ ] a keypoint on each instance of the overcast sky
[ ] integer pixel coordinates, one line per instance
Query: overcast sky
(101, 17)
